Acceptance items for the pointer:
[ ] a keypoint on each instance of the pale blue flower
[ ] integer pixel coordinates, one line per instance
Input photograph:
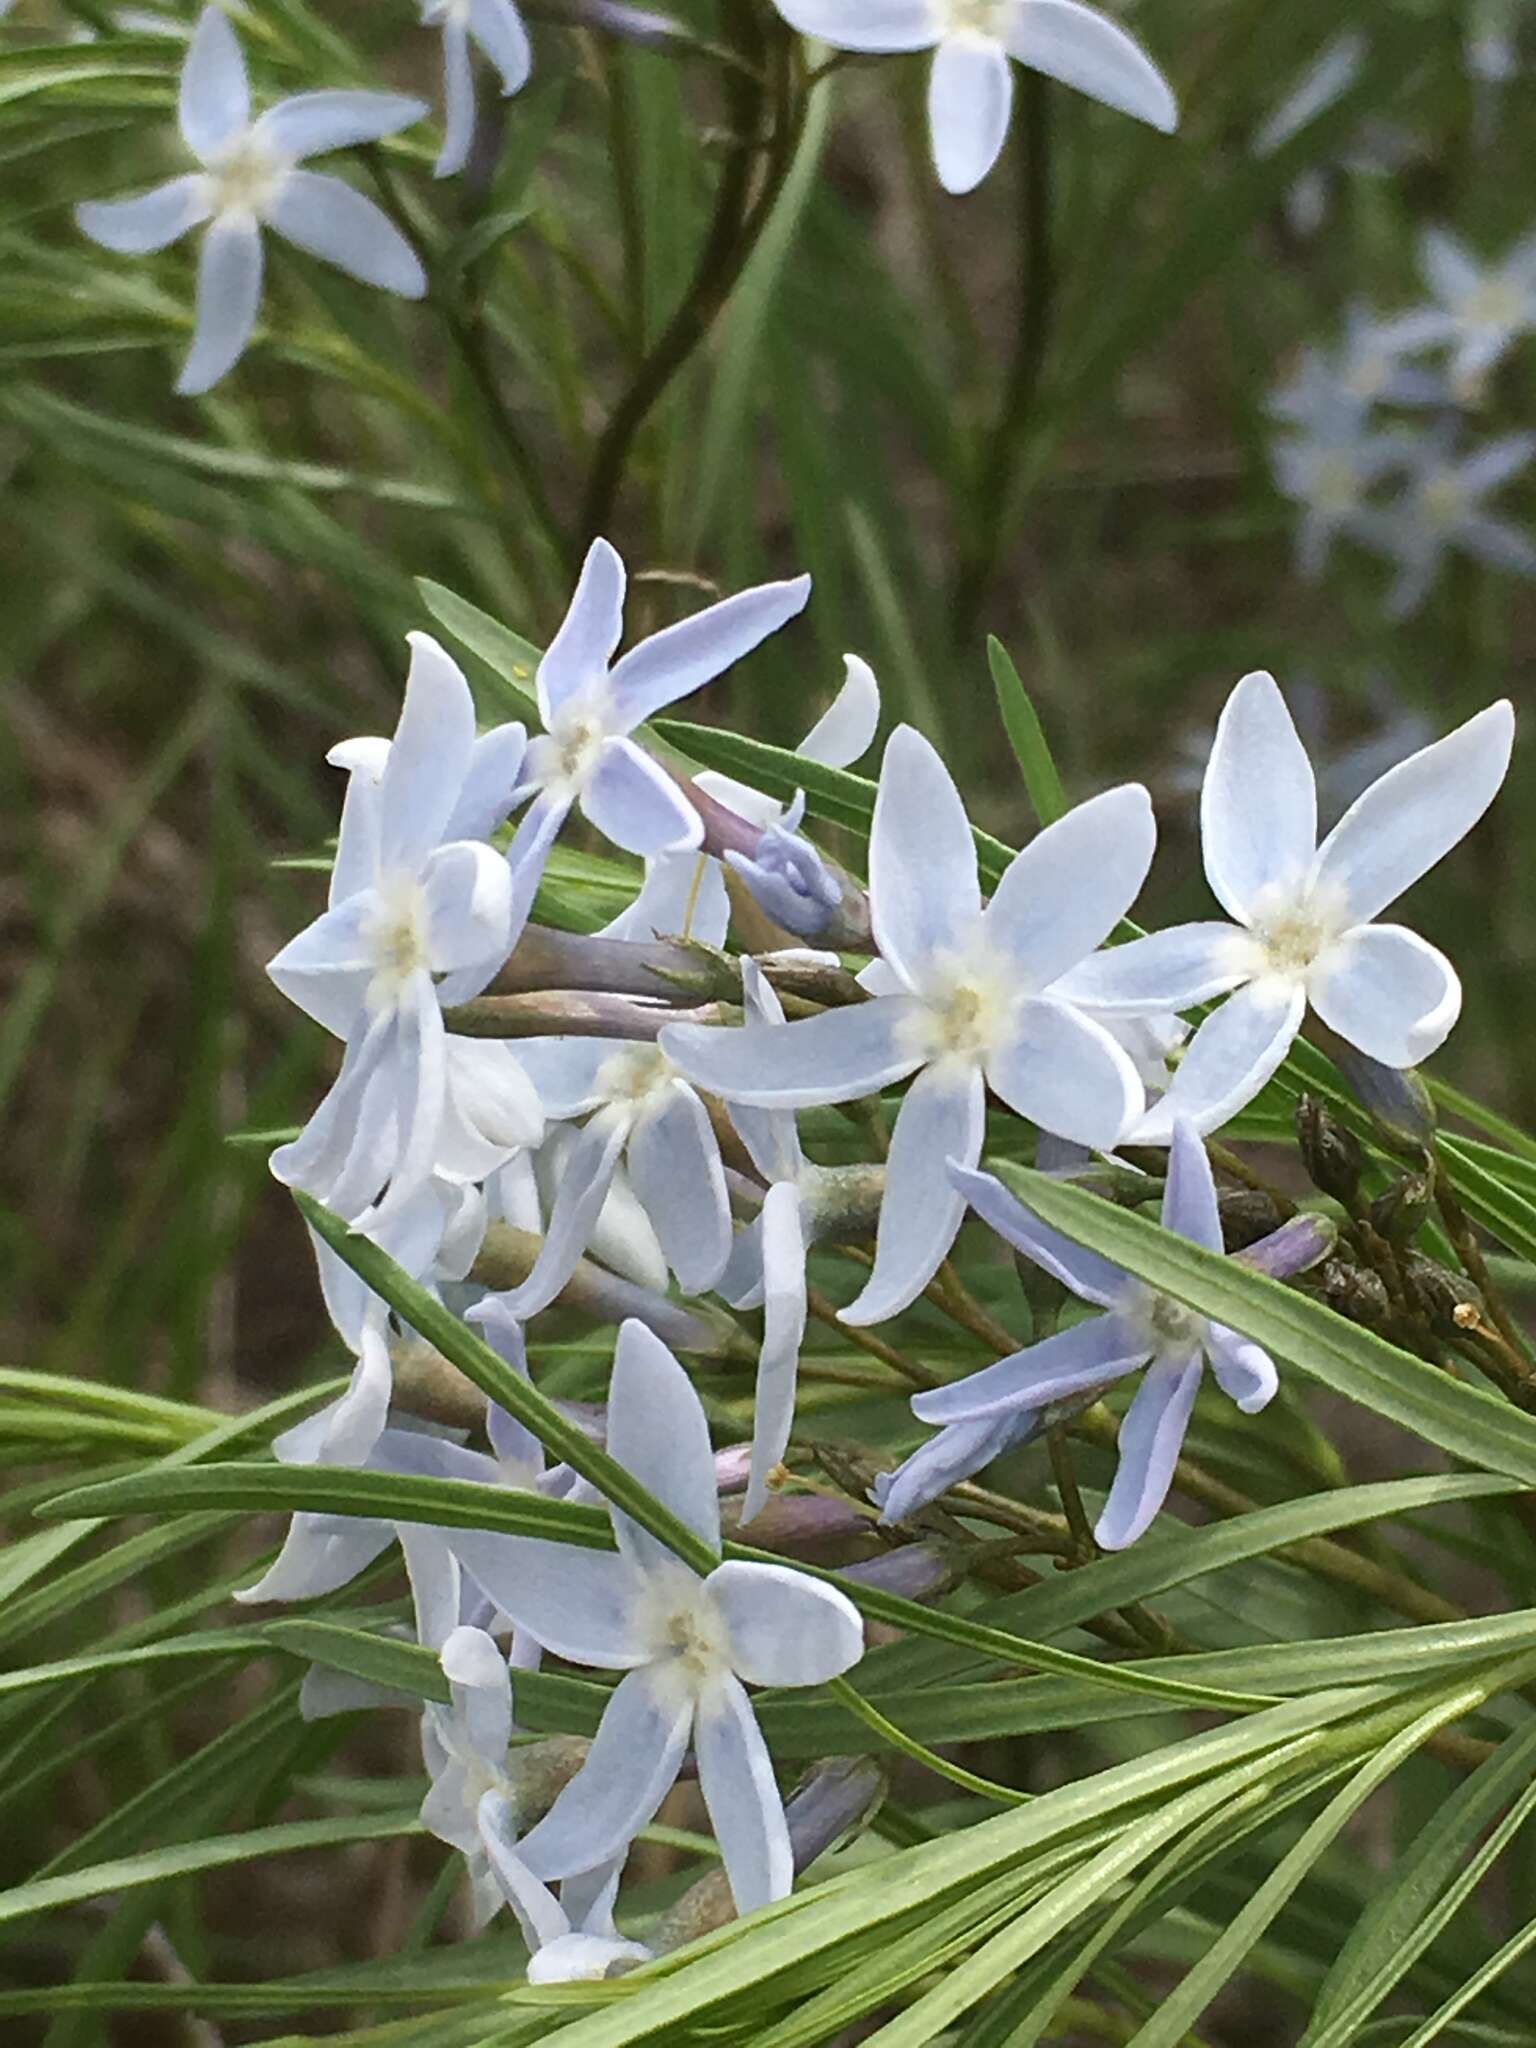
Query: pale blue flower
(570, 1938)
(414, 922)
(962, 997)
(497, 28)
(970, 87)
(1140, 1329)
(464, 1747)
(1327, 469)
(1440, 508)
(1480, 307)
(250, 179)
(1303, 929)
(954, 1454)
(685, 1643)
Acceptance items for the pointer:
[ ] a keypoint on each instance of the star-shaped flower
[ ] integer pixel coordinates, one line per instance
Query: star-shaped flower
(685, 1643)
(970, 88)
(250, 179)
(497, 27)
(1140, 1328)
(1303, 929)
(1481, 307)
(963, 998)
(1441, 507)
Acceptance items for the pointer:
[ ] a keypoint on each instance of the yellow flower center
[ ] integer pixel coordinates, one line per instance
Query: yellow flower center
(248, 180)
(395, 939)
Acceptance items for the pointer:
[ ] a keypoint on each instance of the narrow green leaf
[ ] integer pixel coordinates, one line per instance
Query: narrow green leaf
(1026, 735)
(506, 654)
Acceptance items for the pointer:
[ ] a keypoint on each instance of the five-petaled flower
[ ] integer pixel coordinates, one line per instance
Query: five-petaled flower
(497, 27)
(250, 179)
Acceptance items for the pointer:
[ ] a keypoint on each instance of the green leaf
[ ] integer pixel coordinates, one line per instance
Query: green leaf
(509, 657)
(1026, 735)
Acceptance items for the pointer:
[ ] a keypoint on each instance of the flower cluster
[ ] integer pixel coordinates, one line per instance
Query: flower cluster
(621, 1143)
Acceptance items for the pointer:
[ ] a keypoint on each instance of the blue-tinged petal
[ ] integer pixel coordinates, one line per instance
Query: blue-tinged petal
(576, 661)
(309, 123)
(580, 1604)
(970, 96)
(495, 763)
(356, 865)
(458, 99)
(583, 1190)
(632, 1765)
(680, 658)
(846, 729)
(874, 25)
(346, 1432)
(1088, 1354)
(482, 1691)
(830, 1058)
(319, 1154)
(683, 893)
(498, 28)
(925, 897)
(1070, 887)
(326, 968)
(745, 1809)
(675, 1170)
(421, 1069)
(539, 1913)
(633, 801)
(953, 1455)
(784, 1627)
(1088, 51)
(1189, 1194)
(941, 1118)
(1244, 1372)
(1258, 802)
(152, 220)
(1229, 1059)
(782, 1242)
(1066, 1074)
(429, 757)
(1151, 1437)
(435, 1579)
(214, 101)
(320, 1554)
(329, 219)
(1088, 1276)
(1170, 970)
(468, 890)
(657, 1431)
(228, 294)
(564, 1072)
(1388, 992)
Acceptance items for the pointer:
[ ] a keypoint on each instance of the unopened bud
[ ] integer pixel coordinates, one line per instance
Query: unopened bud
(1247, 1214)
(1450, 1300)
(841, 1204)
(1399, 1213)
(1330, 1153)
(915, 1571)
(809, 1525)
(1355, 1292)
(1399, 1105)
(1297, 1245)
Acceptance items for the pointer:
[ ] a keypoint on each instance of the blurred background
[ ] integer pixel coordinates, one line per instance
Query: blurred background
(1088, 409)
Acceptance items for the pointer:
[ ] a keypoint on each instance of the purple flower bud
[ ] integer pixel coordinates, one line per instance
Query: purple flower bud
(1292, 1248)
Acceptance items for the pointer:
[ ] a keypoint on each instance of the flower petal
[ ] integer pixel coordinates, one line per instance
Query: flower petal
(942, 1117)
(1258, 803)
(633, 801)
(1086, 50)
(674, 1167)
(632, 1765)
(482, 1691)
(346, 1432)
(1387, 991)
(320, 1554)
(745, 1809)
(214, 101)
(1168, 970)
(657, 1431)
(228, 294)
(152, 220)
(1398, 828)
(429, 757)
(485, 800)
(682, 893)
(327, 218)
(1151, 1437)
(577, 658)
(421, 1063)
(564, 1072)
(1088, 1276)
(580, 1604)
(458, 100)
(498, 28)
(1189, 1194)
(583, 1188)
(356, 864)
(309, 123)
(1066, 1074)
(681, 658)
(782, 1241)
(831, 1058)
(325, 969)
(540, 1915)
(784, 1627)
(1087, 1354)
(1244, 1372)
(1069, 888)
(1450, 270)
(925, 897)
(846, 729)
(1229, 1059)
(876, 25)
(970, 96)
(957, 1452)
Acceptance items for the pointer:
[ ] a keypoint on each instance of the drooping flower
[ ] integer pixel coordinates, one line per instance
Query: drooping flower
(1303, 929)
(497, 28)
(464, 1746)
(684, 1642)
(250, 178)
(1140, 1329)
(571, 1938)
(970, 87)
(585, 755)
(962, 996)
(413, 922)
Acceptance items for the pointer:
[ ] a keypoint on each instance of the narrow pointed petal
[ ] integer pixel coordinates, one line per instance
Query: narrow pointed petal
(578, 656)
(583, 1189)
(970, 96)
(214, 102)
(540, 1915)
(564, 1072)
(1070, 887)
(528, 855)
(1088, 1354)
(458, 100)
(745, 1809)
(228, 294)
(1151, 1437)
(846, 729)
(1229, 1059)
(495, 763)
(328, 219)
(310, 123)
(941, 1118)
(875, 25)
(1387, 991)
(633, 801)
(682, 894)
(580, 1604)
(422, 1066)
(320, 1152)
(346, 1432)
(831, 1058)
(1397, 829)
(674, 1167)
(925, 898)
(1086, 50)
(953, 1455)
(1169, 970)
(435, 1580)
(357, 842)
(1089, 1277)
(1189, 1194)
(1258, 803)
(1067, 1075)
(482, 1686)
(153, 220)
(428, 758)
(325, 969)
(782, 1239)
(1449, 267)
(498, 28)
(1245, 1373)
(632, 1765)
(491, 1109)
(468, 890)
(657, 1431)
(784, 1627)
(320, 1554)
(681, 658)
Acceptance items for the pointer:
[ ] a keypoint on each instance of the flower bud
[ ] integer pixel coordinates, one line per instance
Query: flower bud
(914, 1570)
(1247, 1214)
(1330, 1153)
(800, 1525)
(1440, 1293)
(1399, 1105)
(1297, 1245)
(1398, 1213)
(1355, 1292)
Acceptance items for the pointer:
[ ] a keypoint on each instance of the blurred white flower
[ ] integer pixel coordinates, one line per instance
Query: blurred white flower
(497, 28)
(1480, 309)
(1441, 508)
(1327, 470)
(970, 87)
(250, 179)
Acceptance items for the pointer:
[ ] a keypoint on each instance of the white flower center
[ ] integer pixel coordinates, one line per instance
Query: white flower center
(1495, 302)
(1443, 502)
(1367, 375)
(1294, 925)
(685, 1628)
(564, 757)
(248, 179)
(1335, 483)
(634, 1074)
(1166, 1324)
(395, 938)
(979, 17)
(967, 1005)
